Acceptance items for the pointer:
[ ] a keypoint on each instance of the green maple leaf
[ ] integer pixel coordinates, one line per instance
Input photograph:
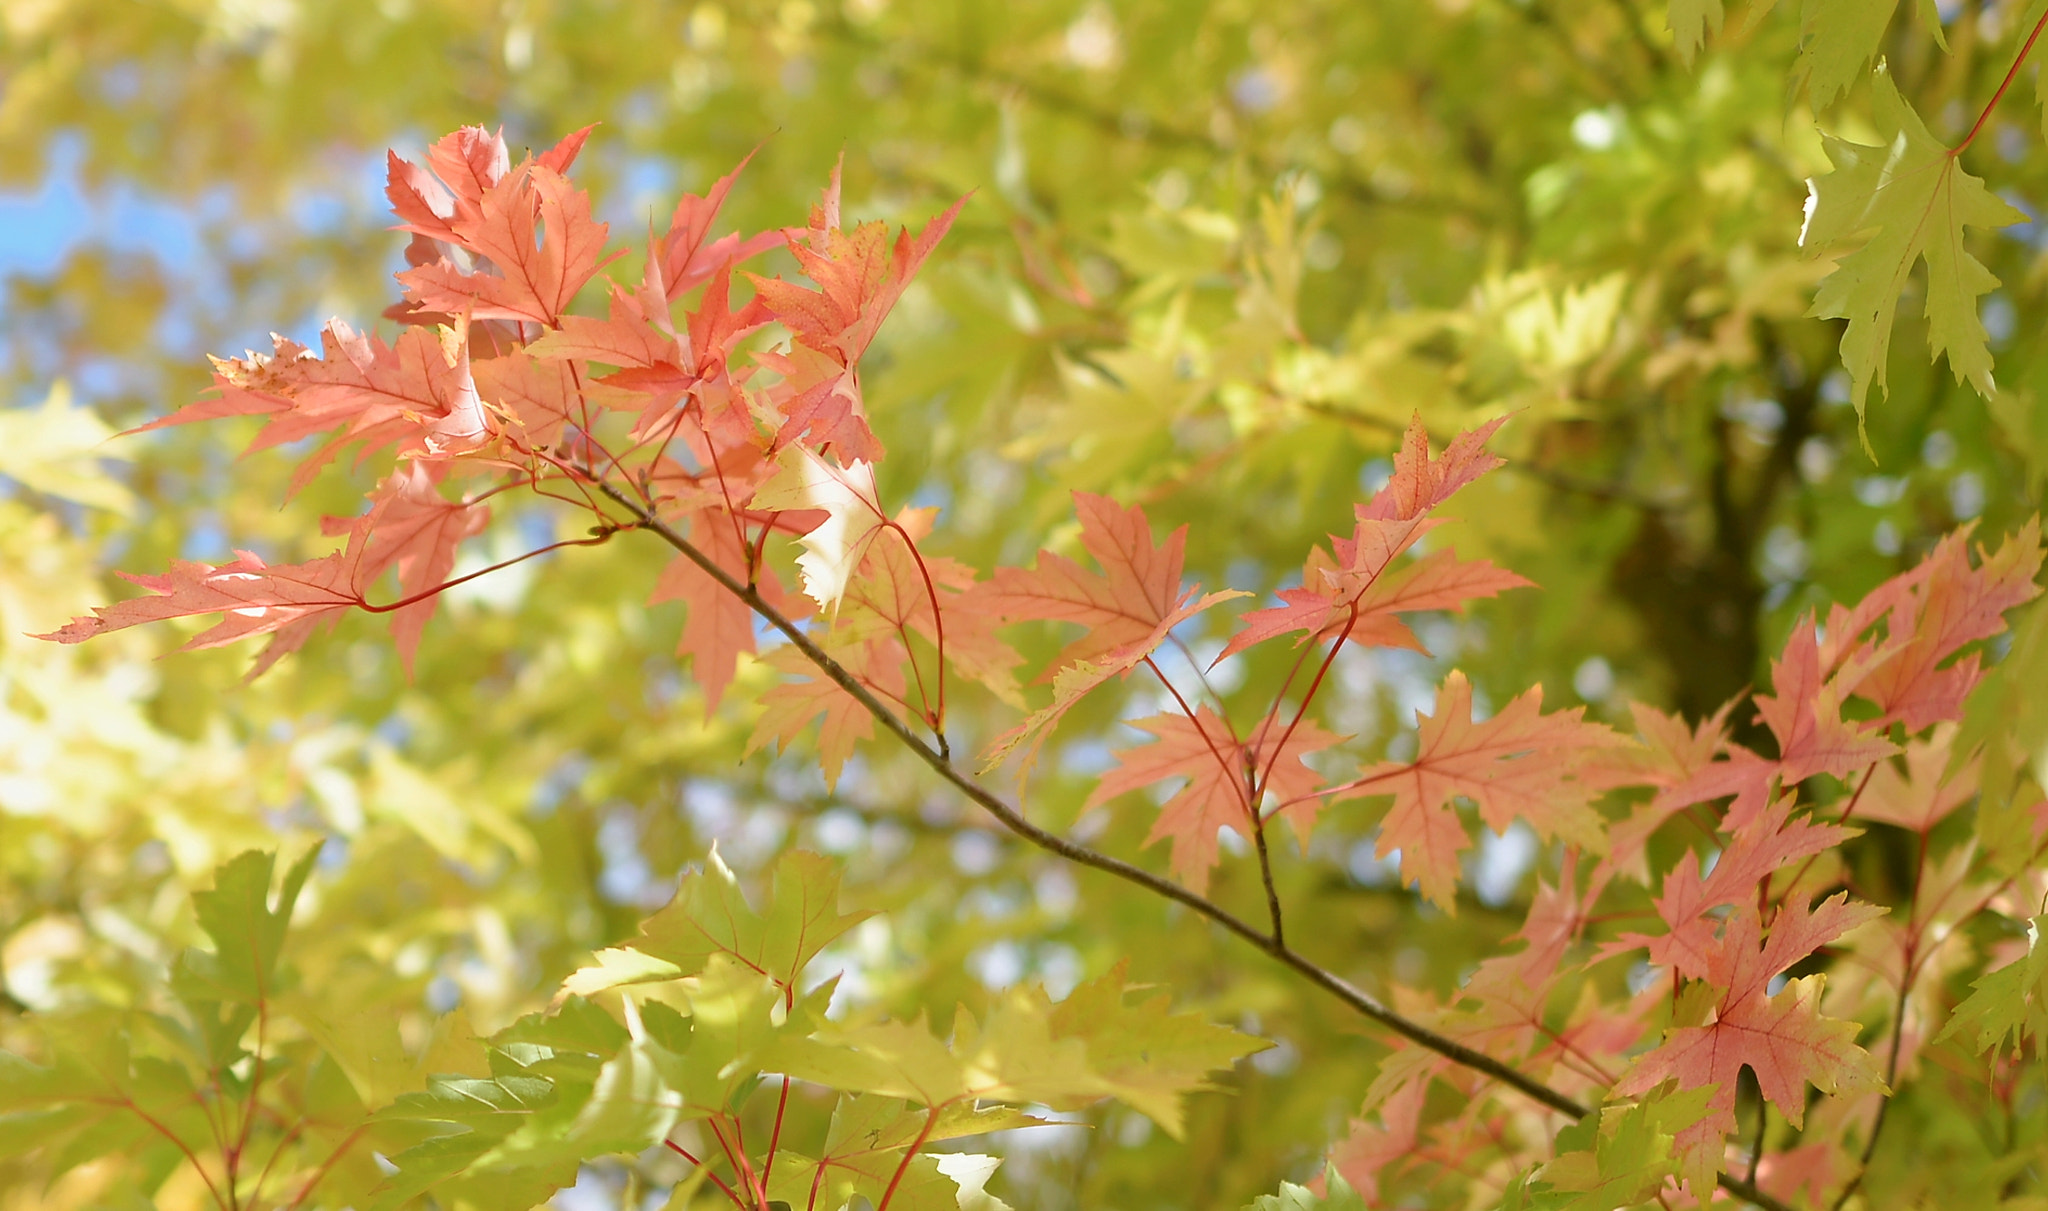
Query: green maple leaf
(1912, 195)
(1337, 1195)
(247, 933)
(1621, 1157)
(2008, 1004)
(1838, 39)
(1690, 20)
(467, 1118)
(709, 917)
(1026, 1049)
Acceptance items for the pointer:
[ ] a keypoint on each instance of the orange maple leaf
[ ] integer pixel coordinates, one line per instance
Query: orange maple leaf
(1129, 609)
(1758, 847)
(413, 528)
(788, 708)
(418, 394)
(285, 601)
(1931, 612)
(1783, 1039)
(534, 279)
(719, 626)
(1352, 595)
(1138, 587)
(1519, 765)
(1218, 770)
(535, 397)
(1805, 715)
(689, 256)
(860, 276)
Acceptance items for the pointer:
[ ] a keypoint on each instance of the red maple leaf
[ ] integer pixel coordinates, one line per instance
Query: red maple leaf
(689, 256)
(1758, 848)
(859, 275)
(1219, 772)
(1129, 609)
(413, 528)
(1926, 793)
(1806, 716)
(719, 625)
(788, 708)
(1352, 595)
(469, 160)
(528, 279)
(1933, 611)
(820, 403)
(1138, 587)
(1783, 1039)
(1370, 1151)
(419, 395)
(627, 337)
(534, 396)
(897, 587)
(285, 601)
(1519, 765)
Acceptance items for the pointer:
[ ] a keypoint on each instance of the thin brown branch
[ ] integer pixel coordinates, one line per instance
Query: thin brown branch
(1266, 879)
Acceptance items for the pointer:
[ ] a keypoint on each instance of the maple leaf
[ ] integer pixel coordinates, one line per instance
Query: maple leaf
(1150, 1056)
(1351, 594)
(1026, 1049)
(1129, 609)
(820, 403)
(1806, 716)
(1138, 587)
(2009, 1004)
(1520, 764)
(1218, 770)
(285, 601)
(835, 546)
(859, 275)
(719, 626)
(1837, 43)
(892, 586)
(1669, 754)
(1928, 792)
(469, 160)
(54, 449)
(688, 255)
(535, 279)
(788, 708)
(1933, 610)
(1337, 1195)
(627, 337)
(1505, 1004)
(1689, 21)
(534, 396)
(413, 528)
(1760, 846)
(708, 916)
(1628, 1152)
(1913, 195)
(1372, 1150)
(418, 394)
(1783, 1039)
